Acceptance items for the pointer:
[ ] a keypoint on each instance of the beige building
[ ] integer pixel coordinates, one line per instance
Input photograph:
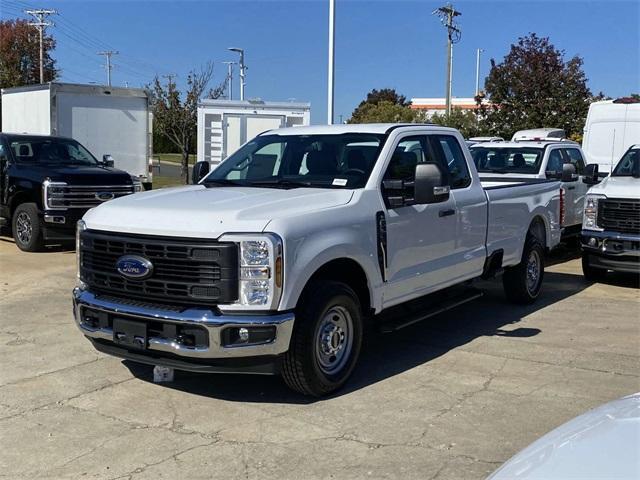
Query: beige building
(439, 105)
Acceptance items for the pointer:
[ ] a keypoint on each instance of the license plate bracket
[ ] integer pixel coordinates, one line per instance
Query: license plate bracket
(129, 333)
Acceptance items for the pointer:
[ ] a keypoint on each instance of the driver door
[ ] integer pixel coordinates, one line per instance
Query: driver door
(420, 238)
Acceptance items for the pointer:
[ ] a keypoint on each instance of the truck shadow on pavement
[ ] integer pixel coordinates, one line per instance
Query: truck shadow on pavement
(386, 355)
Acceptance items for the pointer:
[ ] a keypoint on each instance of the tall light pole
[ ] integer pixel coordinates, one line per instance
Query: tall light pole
(40, 15)
(229, 79)
(447, 14)
(109, 54)
(330, 70)
(243, 67)
(478, 52)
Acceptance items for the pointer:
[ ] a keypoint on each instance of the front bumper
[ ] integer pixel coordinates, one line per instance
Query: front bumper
(60, 225)
(165, 350)
(612, 251)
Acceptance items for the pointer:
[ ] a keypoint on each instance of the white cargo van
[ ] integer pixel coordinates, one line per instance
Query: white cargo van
(108, 121)
(612, 127)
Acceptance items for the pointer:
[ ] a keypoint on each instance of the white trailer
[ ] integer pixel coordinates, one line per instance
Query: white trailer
(225, 125)
(107, 120)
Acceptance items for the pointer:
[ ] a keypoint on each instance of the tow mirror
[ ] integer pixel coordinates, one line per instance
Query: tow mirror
(200, 170)
(591, 174)
(569, 173)
(430, 184)
(107, 160)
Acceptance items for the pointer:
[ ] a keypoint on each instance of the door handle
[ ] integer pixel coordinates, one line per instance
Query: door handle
(446, 213)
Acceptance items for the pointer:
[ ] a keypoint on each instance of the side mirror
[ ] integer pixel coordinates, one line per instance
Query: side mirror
(591, 174)
(107, 160)
(200, 170)
(430, 184)
(569, 173)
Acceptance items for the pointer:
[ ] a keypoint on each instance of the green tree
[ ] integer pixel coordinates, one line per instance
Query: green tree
(534, 87)
(175, 115)
(464, 120)
(20, 55)
(370, 108)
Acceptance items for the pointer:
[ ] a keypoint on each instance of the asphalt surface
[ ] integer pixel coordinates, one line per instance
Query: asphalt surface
(450, 398)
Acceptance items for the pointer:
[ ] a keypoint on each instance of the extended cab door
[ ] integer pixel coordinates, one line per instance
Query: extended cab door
(420, 238)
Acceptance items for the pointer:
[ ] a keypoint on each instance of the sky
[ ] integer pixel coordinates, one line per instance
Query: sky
(397, 44)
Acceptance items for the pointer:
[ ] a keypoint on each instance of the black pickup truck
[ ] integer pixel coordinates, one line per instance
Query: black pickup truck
(47, 184)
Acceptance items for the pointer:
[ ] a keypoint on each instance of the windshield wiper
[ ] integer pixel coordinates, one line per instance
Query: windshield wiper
(494, 170)
(281, 183)
(224, 182)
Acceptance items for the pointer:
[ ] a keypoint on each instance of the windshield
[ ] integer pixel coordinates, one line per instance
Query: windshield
(629, 165)
(291, 161)
(49, 150)
(507, 160)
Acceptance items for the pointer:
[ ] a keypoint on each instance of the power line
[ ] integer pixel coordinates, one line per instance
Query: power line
(40, 15)
(108, 54)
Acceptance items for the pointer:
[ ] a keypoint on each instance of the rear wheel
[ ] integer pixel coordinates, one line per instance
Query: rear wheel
(326, 339)
(27, 231)
(523, 282)
(591, 273)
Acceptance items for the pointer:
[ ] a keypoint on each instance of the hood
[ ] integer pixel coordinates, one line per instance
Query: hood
(601, 443)
(618, 187)
(198, 211)
(72, 174)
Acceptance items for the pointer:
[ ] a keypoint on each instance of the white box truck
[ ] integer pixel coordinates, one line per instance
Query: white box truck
(225, 125)
(111, 121)
(612, 127)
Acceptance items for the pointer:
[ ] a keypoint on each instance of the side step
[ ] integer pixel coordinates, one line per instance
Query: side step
(415, 311)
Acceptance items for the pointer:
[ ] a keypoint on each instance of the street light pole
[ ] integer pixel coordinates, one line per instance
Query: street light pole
(478, 52)
(331, 74)
(243, 67)
(230, 79)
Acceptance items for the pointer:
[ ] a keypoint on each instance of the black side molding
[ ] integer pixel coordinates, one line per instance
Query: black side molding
(381, 240)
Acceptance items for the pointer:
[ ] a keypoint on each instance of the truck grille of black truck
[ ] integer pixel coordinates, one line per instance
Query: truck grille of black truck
(185, 271)
(618, 215)
(85, 196)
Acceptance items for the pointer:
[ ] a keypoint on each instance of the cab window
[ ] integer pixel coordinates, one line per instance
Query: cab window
(574, 157)
(452, 158)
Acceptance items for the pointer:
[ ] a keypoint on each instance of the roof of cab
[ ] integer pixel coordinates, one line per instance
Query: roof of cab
(526, 144)
(374, 128)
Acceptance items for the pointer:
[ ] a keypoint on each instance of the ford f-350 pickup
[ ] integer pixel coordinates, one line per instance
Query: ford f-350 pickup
(275, 260)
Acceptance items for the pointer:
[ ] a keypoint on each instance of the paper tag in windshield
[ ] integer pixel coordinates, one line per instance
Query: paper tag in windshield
(339, 182)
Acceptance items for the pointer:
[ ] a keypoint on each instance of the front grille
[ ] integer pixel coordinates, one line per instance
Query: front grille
(185, 271)
(619, 215)
(84, 196)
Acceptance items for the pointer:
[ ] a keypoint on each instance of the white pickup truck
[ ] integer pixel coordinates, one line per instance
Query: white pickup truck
(611, 227)
(275, 261)
(561, 160)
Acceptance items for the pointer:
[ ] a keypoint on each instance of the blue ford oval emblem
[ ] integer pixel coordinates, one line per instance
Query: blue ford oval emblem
(104, 196)
(134, 267)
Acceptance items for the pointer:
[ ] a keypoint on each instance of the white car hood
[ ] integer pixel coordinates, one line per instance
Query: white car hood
(618, 187)
(602, 443)
(197, 211)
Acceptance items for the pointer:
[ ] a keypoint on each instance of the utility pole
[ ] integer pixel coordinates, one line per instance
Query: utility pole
(109, 54)
(243, 69)
(40, 15)
(447, 14)
(230, 79)
(331, 73)
(478, 52)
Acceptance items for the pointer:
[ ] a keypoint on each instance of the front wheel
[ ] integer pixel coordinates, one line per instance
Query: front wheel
(523, 282)
(326, 341)
(27, 231)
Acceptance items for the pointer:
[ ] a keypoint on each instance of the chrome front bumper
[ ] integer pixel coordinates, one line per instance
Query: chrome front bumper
(213, 322)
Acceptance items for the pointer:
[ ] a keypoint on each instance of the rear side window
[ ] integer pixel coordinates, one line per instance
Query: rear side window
(575, 158)
(448, 148)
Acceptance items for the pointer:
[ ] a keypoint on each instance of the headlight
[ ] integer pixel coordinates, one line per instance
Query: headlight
(590, 217)
(137, 184)
(260, 271)
(80, 227)
(53, 195)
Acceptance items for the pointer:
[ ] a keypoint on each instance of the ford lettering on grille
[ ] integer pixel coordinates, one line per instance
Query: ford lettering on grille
(134, 267)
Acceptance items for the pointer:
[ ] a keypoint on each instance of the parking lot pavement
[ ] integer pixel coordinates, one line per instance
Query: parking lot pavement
(452, 397)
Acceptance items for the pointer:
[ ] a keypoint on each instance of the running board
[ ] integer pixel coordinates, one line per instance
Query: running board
(402, 316)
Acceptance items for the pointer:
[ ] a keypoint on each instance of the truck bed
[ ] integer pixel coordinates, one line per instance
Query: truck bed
(512, 204)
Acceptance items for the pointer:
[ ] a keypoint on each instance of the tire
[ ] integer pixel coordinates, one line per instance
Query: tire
(523, 282)
(27, 231)
(326, 339)
(592, 274)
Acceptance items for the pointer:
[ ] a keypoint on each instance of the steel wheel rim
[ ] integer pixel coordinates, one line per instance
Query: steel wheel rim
(334, 340)
(533, 271)
(24, 229)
